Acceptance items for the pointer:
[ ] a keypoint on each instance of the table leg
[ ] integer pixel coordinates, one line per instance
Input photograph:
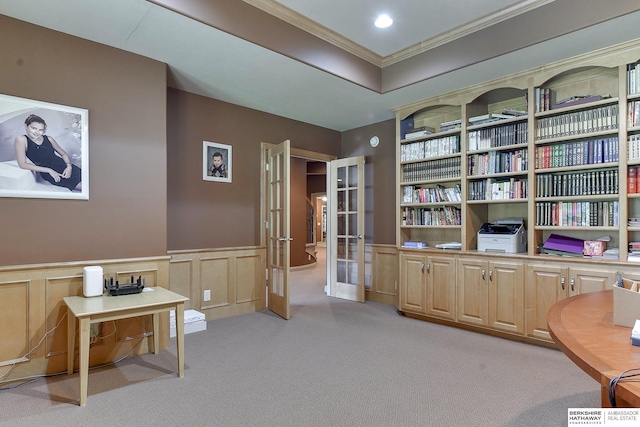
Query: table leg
(85, 326)
(604, 392)
(156, 333)
(71, 340)
(180, 337)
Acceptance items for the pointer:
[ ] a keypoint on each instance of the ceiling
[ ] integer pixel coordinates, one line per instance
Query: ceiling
(227, 66)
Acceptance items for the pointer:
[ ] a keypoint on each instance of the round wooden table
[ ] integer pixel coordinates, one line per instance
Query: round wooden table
(582, 327)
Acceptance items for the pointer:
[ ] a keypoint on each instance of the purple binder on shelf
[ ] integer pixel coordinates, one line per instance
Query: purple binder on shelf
(563, 243)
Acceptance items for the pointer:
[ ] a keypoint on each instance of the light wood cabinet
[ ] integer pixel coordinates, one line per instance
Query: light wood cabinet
(473, 292)
(441, 287)
(491, 293)
(583, 280)
(497, 293)
(413, 283)
(427, 284)
(548, 283)
(506, 296)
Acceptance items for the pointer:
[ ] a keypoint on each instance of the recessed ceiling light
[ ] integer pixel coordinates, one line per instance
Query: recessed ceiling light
(383, 21)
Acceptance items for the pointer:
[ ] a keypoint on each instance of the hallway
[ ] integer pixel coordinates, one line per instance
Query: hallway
(306, 285)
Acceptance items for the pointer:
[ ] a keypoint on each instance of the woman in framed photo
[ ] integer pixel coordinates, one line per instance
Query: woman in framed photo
(46, 156)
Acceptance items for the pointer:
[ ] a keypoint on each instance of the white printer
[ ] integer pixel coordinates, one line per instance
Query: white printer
(505, 235)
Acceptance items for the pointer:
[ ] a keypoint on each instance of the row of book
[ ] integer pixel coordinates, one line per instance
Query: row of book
(634, 246)
(578, 122)
(578, 153)
(446, 215)
(633, 147)
(498, 136)
(430, 148)
(633, 172)
(497, 162)
(436, 194)
(545, 99)
(491, 189)
(633, 78)
(577, 214)
(584, 183)
(633, 113)
(431, 170)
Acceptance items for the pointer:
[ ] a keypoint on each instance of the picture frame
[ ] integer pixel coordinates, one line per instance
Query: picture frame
(221, 154)
(54, 129)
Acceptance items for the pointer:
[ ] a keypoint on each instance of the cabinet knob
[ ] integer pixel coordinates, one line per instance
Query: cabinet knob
(422, 267)
(572, 282)
(483, 272)
(491, 274)
(562, 282)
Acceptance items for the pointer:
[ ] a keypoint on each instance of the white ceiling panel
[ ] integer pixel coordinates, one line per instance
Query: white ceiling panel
(108, 22)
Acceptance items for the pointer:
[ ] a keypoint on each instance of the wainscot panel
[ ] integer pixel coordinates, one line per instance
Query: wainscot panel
(221, 282)
(33, 315)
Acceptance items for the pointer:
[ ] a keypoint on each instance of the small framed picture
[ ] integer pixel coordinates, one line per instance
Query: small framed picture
(44, 150)
(216, 162)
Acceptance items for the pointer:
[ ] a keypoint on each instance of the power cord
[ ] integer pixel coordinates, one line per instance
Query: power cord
(15, 363)
(614, 382)
(28, 379)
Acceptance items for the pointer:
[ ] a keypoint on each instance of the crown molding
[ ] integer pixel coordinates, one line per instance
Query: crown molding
(296, 19)
(481, 23)
(312, 27)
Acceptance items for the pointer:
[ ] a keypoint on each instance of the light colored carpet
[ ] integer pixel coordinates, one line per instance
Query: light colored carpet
(335, 363)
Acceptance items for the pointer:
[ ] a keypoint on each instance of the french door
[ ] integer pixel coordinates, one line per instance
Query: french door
(279, 235)
(345, 251)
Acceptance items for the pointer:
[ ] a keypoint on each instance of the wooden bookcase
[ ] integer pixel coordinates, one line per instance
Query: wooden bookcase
(535, 165)
(553, 156)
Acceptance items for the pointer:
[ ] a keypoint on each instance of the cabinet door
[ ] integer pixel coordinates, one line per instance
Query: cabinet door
(584, 280)
(546, 285)
(441, 287)
(473, 296)
(506, 296)
(413, 285)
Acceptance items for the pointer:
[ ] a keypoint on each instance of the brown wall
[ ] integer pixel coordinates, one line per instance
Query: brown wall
(205, 214)
(316, 184)
(298, 212)
(146, 191)
(125, 94)
(380, 178)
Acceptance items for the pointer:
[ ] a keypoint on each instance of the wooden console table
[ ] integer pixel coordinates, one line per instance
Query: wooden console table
(106, 308)
(582, 327)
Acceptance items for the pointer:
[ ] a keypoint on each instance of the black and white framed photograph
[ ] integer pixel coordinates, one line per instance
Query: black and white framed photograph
(44, 150)
(216, 162)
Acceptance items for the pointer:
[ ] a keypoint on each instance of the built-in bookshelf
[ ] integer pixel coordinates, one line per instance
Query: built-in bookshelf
(430, 173)
(577, 191)
(633, 159)
(558, 146)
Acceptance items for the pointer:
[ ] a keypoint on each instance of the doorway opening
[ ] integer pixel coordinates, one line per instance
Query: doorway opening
(290, 229)
(318, 165)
